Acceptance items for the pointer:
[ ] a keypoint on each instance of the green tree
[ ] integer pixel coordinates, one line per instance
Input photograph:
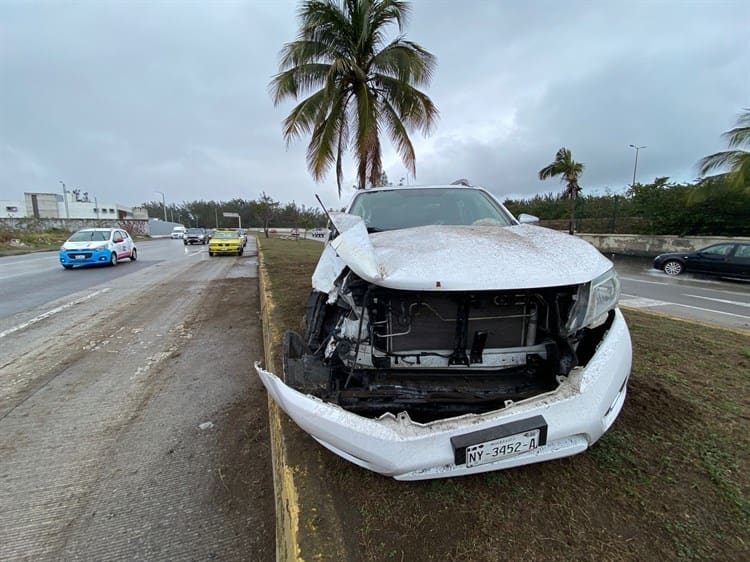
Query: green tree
(267, 209)
(736, 159)
(360, 85)
(569, 171)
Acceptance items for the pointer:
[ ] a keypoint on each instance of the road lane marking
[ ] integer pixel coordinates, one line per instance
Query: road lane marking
(634, 301)
(641, 302)
(643, 281)
(736, 303)
(49, 313)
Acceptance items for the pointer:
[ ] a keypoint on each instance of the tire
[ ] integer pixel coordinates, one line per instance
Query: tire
(210, 253)
(113, 259)
(239, 252)
(134, 255)
(673, 268)
(185, 243)
(68, 266)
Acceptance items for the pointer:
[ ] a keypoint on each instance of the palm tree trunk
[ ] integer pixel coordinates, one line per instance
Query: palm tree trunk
(572, 197)
(362, 173)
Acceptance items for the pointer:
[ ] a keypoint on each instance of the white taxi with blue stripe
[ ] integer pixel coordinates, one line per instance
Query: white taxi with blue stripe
(103, 246)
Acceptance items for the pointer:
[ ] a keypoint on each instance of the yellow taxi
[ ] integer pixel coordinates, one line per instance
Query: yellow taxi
(225, 241)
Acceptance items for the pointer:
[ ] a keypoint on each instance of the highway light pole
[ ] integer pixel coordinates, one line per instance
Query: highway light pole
(635, 165)
(163, 204)
(65, 199)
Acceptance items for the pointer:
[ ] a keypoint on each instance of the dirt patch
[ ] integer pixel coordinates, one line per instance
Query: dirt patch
(670, 479)
(244, 487)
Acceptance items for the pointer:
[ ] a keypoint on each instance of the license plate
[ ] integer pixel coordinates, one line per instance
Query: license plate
(491, 451)
(79, 257)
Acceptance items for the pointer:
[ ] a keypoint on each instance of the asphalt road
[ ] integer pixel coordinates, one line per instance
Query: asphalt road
(710, 300)
(132, 426)
(31, 280)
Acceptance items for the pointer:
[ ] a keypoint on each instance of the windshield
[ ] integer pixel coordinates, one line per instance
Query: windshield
(194, 231)
(225, 235)
(394, 209)
(90, 236)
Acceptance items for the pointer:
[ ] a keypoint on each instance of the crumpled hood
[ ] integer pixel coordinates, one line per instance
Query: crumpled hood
(453, 258)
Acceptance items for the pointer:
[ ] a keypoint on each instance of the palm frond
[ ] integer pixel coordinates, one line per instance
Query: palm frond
(305, 116)
(400, 137)
(413, 107)
(406, 61)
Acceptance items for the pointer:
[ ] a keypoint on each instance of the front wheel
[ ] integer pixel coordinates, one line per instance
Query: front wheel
(210, 253)
(673, 268)
(134, 255)
(113, 259)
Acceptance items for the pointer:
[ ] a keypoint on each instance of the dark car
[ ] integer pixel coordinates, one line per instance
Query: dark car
(195, 236)
(725, 260)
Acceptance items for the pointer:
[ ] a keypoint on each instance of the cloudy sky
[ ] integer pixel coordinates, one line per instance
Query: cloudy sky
(126, 98)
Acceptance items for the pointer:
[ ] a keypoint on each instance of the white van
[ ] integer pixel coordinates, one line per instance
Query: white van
(178, 232)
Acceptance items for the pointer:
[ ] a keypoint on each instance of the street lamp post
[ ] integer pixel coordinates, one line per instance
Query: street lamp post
(163, 204)
(635, 165)
(65, 199)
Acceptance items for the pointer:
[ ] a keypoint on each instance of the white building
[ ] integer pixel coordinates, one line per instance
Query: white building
(78, 206)
(12, 209)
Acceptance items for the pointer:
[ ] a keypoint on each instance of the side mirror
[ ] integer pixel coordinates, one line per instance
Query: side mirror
(119, 239)
(523, 218)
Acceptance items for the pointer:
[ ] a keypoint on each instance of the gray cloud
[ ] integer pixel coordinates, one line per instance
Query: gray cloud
(123, 99)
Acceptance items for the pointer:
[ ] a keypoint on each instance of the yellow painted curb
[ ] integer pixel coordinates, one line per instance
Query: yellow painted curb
(285, 489)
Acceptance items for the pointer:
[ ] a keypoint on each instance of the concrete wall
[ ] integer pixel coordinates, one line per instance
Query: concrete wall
(71, 225)
(649, 246)
(46, 205)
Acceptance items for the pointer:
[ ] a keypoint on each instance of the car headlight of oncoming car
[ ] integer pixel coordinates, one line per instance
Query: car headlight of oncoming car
(594, 301)
(100, 247)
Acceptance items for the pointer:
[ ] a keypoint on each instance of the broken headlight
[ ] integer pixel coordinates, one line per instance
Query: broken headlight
(594, 301)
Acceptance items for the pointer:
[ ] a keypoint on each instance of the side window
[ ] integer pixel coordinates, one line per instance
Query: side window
(743, 251)
(719, 250)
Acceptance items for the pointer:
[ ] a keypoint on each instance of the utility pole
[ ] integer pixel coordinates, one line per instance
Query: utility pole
(635, 165)
(163, 204)
(65, 199)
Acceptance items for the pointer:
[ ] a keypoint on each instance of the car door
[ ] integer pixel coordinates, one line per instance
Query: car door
(121, 244)
(738, 263)
(712, 260)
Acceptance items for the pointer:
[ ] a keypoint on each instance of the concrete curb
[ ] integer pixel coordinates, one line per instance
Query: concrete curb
(284, 485)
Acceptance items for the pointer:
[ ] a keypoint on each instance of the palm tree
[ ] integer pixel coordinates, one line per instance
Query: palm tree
(360, 85)
(570, 171)
(736, 159)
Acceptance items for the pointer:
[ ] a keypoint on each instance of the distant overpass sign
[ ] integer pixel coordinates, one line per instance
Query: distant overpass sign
(235, 216)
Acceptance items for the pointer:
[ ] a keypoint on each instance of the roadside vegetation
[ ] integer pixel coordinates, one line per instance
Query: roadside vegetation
(671, 479)
(16, 241)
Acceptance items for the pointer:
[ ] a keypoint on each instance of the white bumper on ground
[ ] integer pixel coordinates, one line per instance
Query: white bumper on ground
(576, 415)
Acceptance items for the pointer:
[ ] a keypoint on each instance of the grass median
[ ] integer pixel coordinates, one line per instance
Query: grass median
(671, 479)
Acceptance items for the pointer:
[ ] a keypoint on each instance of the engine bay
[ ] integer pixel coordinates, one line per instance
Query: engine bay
(435, 354)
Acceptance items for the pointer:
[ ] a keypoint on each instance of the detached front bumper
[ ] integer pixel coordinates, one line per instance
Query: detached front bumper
(576, 415)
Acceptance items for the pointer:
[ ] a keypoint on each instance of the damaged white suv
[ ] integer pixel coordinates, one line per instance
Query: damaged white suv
(445, 338)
